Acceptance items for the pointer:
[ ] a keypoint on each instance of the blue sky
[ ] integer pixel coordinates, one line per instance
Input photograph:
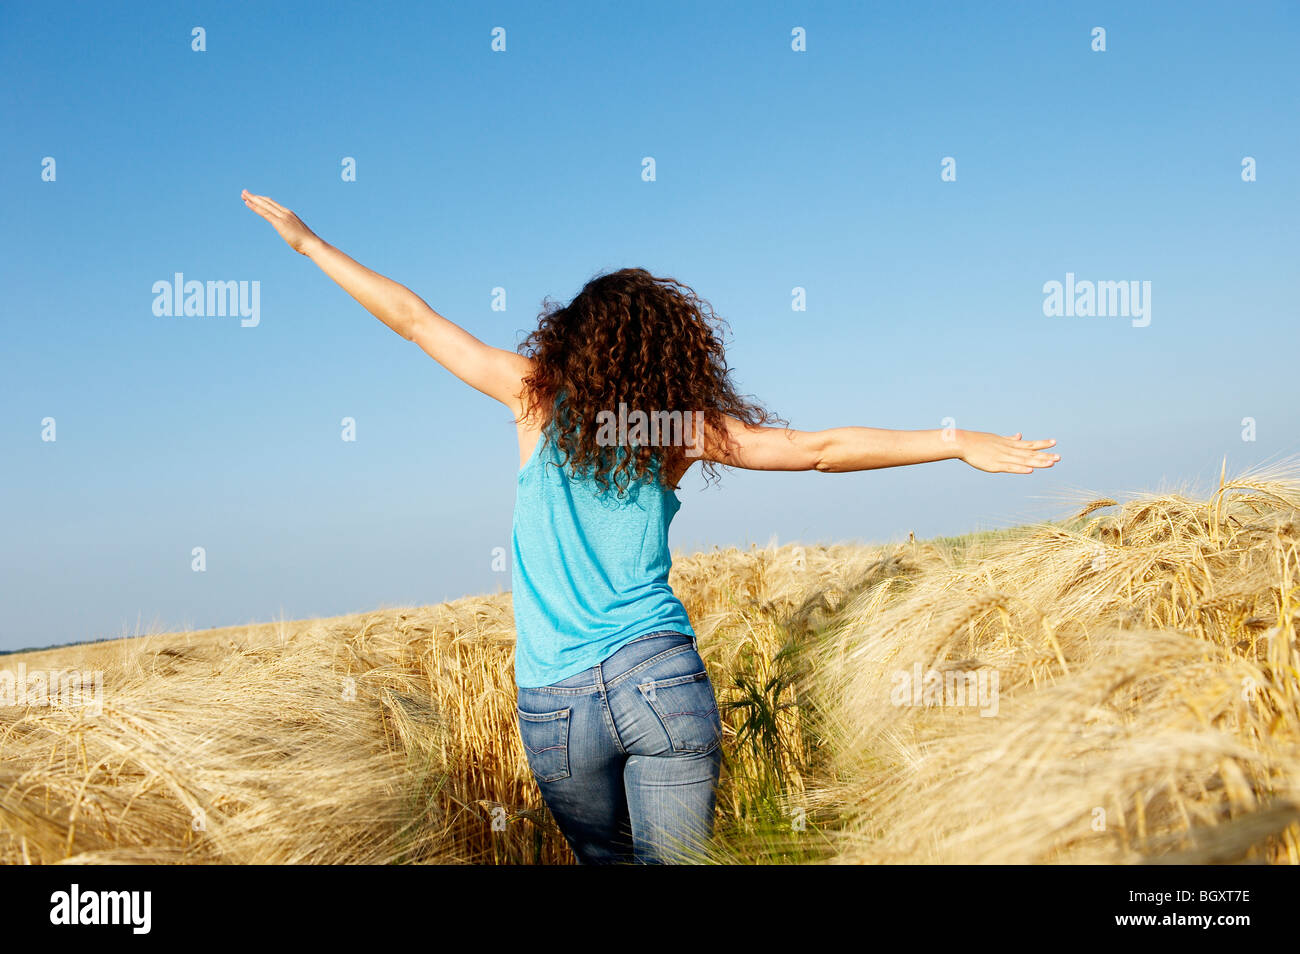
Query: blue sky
(522, 170)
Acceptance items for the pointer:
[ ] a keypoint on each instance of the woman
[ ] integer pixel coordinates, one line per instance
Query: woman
(615, 396)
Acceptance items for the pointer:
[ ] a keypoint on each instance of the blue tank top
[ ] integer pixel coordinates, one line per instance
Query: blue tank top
(590, 568)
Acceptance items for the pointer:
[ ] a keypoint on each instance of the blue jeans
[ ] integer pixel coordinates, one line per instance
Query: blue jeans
(627, 753)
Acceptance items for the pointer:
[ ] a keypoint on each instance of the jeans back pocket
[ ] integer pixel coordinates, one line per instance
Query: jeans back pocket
(546, 743)
(687, 709)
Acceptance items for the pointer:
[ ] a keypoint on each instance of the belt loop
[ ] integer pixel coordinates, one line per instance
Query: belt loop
(600, 678)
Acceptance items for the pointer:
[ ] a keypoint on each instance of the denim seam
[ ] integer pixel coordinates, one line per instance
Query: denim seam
(563, 690)
(649, 662)
(676, 681)
(605, 709)
(657, 632)
(541, 717)
(594, 687)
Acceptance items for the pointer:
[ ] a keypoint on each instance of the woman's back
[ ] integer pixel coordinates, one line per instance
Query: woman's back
(590, 567)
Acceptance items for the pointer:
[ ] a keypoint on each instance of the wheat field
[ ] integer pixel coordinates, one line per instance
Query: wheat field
(1143, 704)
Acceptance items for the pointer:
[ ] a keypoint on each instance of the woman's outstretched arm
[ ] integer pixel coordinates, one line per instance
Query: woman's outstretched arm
(842, 449)
(494, 371)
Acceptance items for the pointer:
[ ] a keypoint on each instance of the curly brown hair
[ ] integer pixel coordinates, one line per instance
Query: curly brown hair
(646, 342)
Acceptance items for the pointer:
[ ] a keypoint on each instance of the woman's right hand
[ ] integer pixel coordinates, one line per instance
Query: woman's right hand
(291, 228)
(996, 454)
